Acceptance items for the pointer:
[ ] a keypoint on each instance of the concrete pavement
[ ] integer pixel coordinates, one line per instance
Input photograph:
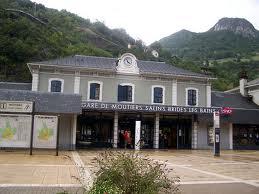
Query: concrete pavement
(199, 171)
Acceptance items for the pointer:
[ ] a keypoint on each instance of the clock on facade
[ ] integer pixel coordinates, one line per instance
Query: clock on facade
(127, 61)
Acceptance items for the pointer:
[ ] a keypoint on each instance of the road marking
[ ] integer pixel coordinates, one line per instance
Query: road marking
(212, 182)
(219, 163)
(40, 185)
(206, 182)
(218, 175)
(38, 165)
(84, 173)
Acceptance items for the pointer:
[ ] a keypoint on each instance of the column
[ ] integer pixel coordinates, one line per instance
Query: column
(174, 93)
(77, 83)
(156, 132)
(208, 91)
(115, 130)
(73, 136)
(230, 136)
(137, 134)
(195, 135)
(35, 80)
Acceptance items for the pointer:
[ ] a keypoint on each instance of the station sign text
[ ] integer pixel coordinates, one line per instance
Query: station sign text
(146, 108)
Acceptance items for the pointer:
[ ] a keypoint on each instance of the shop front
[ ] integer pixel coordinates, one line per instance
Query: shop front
(164, 127)
(245, 136)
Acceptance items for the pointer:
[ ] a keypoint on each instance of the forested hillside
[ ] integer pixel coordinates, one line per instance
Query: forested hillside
(31, 32)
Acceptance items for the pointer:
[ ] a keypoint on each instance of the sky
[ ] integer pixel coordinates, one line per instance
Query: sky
(151, 20)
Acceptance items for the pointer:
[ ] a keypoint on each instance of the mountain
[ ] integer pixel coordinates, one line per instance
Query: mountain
(237, 26)
(227, 38)
(31, 32)
(226, 49)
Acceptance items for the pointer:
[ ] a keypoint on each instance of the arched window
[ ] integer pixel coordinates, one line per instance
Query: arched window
(126, 92)
(192, 97)
(95, 90)
(158, 94)
(56, 85)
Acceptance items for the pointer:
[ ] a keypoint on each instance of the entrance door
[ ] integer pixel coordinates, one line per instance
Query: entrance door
(175, 133)
(168, 134)
(184, 133)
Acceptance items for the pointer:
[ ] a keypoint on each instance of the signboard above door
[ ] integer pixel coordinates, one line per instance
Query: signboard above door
(16, 106)
(147, 108)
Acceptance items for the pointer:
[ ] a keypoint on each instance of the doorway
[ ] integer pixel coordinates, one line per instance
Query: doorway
(95, 129)
(126, 124)
(175, 132)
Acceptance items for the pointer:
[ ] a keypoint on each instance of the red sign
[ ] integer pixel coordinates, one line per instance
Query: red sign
(226, 111)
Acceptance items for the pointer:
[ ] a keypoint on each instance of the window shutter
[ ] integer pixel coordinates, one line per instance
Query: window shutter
(120, 93)
(129, 96)
(194, 97)
(92, 91)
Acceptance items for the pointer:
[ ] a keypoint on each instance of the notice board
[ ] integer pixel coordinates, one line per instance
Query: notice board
(45, 131)
(15, 130)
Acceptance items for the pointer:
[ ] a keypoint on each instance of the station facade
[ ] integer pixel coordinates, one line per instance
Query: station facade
(174, 106)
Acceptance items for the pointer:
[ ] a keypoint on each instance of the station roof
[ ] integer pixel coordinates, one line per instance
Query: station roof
(245, 111)
(233, 100)
(57, 103)
(109, 64)
(15, 86)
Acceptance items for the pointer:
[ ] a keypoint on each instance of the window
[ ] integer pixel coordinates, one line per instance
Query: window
(158, 94)
(94, 90)
(126, 93)
(56, 85)
(191, 96)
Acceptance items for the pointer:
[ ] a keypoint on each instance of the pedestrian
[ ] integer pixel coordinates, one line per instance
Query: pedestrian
(126, 138)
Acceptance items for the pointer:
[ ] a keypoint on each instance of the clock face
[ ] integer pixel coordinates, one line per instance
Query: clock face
(128, 61)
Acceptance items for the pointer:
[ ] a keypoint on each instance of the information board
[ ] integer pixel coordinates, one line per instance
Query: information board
(16, 106)
(45, 131)
(15, 130)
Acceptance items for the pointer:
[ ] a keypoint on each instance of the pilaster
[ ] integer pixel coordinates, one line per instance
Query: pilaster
(156, 132)
(35, 80)
(208, 91)
(174, 93)
(115, 130)
(77, 83)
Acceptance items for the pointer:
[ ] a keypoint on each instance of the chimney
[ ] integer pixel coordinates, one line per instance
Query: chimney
(243, 82)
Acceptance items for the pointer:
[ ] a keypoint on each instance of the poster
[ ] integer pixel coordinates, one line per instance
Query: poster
(216, 119)
(15, 130)
(45, 131)
(210, 135)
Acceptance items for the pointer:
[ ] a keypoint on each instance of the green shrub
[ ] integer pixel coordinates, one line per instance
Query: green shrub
(130, 173)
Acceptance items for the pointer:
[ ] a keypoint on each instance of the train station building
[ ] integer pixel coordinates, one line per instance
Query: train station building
(99, 98)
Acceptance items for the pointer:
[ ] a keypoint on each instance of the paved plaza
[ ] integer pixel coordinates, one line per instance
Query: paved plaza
(199, 171)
